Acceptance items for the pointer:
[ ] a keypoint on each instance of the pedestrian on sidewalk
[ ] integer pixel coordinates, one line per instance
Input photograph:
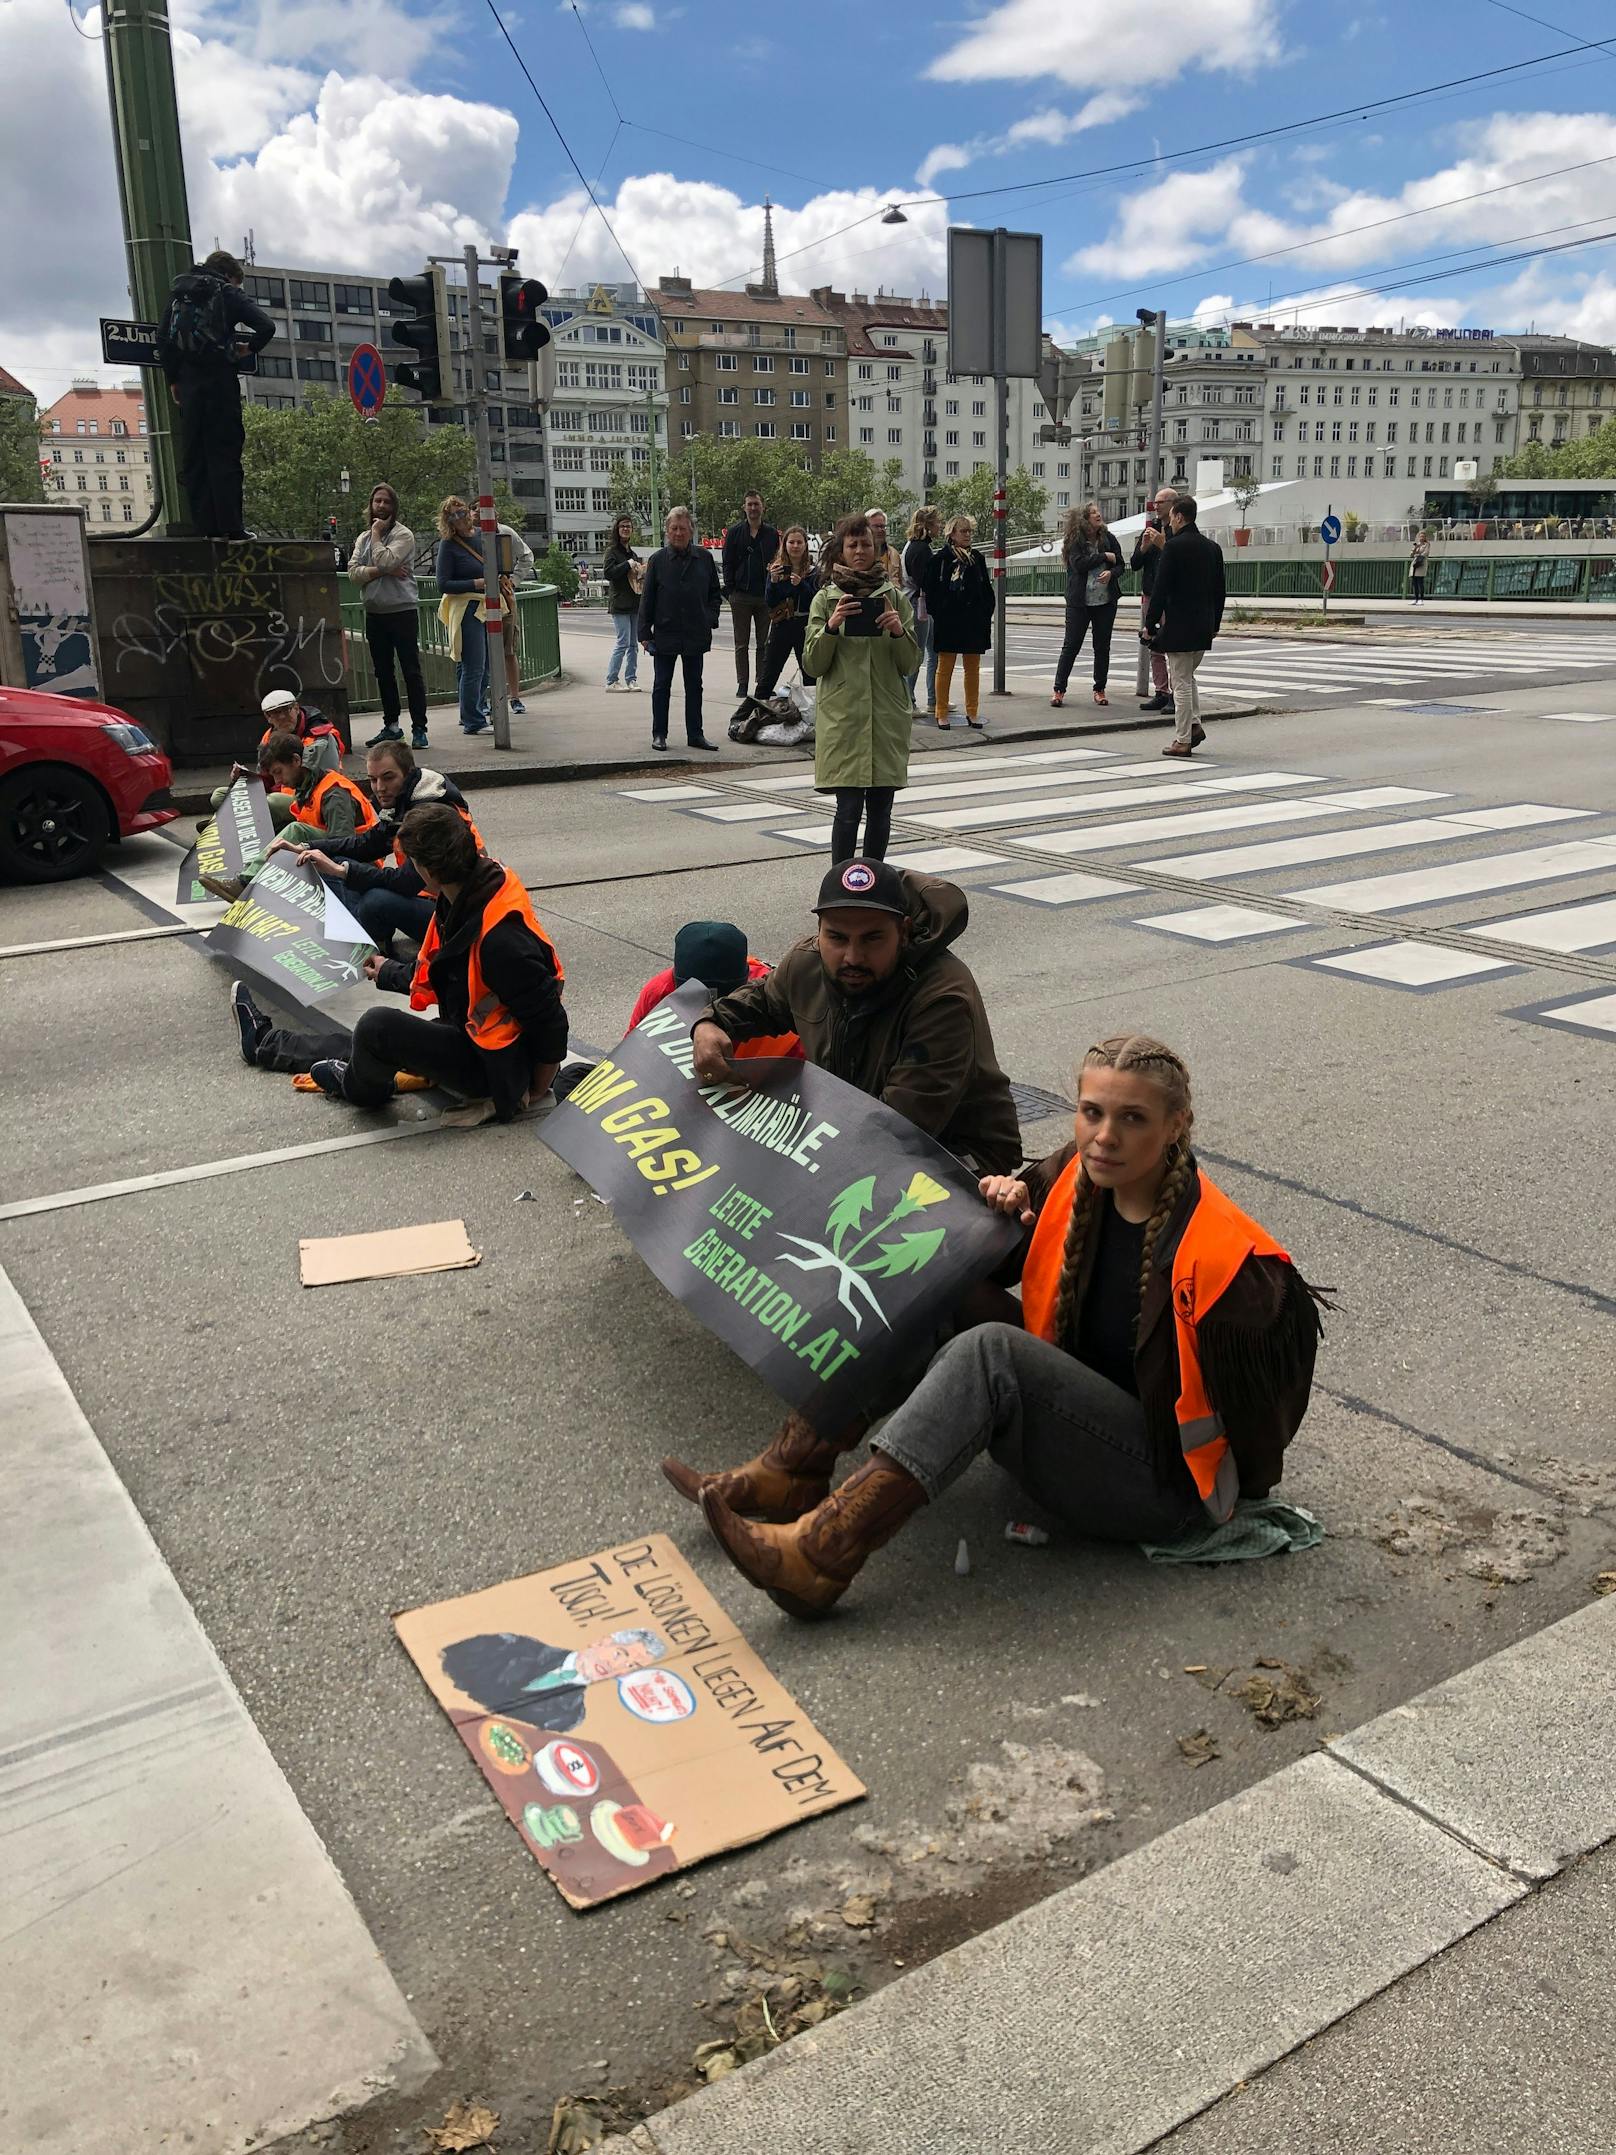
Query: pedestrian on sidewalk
(1184, 616)
(382, 564)
(1144, 561)
(679, 610)
(1163, 1366)
(959, 598)
(209, 330)
(749, 547)
(624, 572)
(1093, 561)
(460, 609)
(523, 571)
(860, 648)
(1416, 567)
(793, 581)
(925, 532)
(887, 557)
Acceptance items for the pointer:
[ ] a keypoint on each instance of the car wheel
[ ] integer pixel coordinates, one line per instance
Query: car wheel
(54, 823)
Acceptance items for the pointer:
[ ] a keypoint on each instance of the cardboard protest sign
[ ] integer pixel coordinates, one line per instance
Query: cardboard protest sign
(277, 930)
(623, 1722)
(394, 1253)
(239, 832)
(813, 1230)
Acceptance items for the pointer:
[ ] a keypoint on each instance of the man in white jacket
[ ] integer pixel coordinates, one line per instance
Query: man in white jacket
(382, 564)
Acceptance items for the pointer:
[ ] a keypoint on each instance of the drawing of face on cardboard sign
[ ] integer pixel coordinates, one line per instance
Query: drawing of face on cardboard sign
(626, 1727)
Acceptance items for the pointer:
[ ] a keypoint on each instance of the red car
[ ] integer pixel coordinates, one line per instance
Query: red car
(75, 777)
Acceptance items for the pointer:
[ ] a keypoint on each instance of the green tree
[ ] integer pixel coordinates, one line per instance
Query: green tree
(1026, 503)
(1593, 457)
(293, 463)
(556, 568)
(20, 478)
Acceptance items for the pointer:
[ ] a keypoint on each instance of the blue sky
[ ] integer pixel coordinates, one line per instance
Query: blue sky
(364, 133)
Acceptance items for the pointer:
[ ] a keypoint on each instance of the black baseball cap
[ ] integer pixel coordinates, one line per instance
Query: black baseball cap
(862, 885)
(711, 951)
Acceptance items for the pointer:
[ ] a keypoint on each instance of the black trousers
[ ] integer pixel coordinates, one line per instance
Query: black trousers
(663, 664)
(1079, 620)
(211, 435)
(395, 636)
(385, 1041)
(874, 804)
(785, 641)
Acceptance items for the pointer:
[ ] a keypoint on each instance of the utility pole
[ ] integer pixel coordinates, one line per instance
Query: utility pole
(493, 604)
(151, 198)
(656, 461)
(1001, 377)
(1158, 320)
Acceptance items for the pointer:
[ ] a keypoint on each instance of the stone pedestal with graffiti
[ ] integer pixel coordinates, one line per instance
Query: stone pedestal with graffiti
(194, 633)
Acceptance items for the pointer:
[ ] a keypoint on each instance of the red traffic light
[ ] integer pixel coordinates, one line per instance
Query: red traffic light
(524, 331)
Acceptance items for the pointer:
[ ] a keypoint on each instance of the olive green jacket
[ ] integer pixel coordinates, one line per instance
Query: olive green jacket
(862, 712)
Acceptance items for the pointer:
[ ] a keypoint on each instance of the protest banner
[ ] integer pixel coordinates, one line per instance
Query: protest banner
(816, 1232)
(238, 833)
(621, 1719)
(276, 930)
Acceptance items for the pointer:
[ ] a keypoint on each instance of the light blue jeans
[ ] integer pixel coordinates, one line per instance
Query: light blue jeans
(471, 671)
(625, 651)
(928, 653)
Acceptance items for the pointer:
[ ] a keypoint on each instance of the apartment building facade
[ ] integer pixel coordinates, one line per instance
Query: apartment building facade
(99, 456)
(1567, 390)
(608, 406)
(756, 365)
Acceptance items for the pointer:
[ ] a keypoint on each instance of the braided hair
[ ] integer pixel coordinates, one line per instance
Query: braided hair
(1165, 1070)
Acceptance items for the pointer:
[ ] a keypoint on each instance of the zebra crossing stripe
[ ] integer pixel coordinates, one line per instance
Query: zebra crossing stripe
(1077, 804)
(1598, 1015)
(1244, 815)
(1107, 772)
(945, 860)
(1411, 965)
(1222, 923)
(1325, 846)
(1568, 928)
(1072, 889)
(1458, 879)
(797, 777)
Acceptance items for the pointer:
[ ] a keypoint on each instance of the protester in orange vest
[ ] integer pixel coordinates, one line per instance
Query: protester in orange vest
(325, 805)
(1165, 1364)
(495, 976)
(380, 885)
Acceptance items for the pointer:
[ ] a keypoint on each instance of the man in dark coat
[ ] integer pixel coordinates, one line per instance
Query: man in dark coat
(208, 329)
(1184, 616)
(546, 1686)
(749, 547)
(679, 610)
(1145, 560)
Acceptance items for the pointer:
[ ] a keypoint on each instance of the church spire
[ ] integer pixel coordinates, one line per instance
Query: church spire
(771, 283)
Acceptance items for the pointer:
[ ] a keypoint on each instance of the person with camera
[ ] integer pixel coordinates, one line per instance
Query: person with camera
(860, 647)
(1093, 586)
(959, 598)
(792, 587)
(1145, 560)
(1184, 616)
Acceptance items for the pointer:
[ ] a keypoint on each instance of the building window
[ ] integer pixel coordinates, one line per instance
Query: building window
(317, 370)
(895, 437)
(766, 430)
(894, 374)
(830, 430)
(728, 363)
(762, 362)
(274, 366)
(684, 394)
(566, 421)
(866, 434)
(789, 337)
(801, 430)
(866, 373)
(268, 291)
(687, 427)
(951, 469)
(729, 396)
(570, 500)
(799, 366)
(979, 408)
(763, 396)
(729, 430)
(354, 299)
(600, 499)
(800, 399)
(951, 438)
(313, 332)
(123, 482)
(829, 364)
(567, 458)
(979, 441)
(305, 294)
(567, 374)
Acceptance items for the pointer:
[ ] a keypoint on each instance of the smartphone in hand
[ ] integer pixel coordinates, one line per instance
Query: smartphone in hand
(867, 621)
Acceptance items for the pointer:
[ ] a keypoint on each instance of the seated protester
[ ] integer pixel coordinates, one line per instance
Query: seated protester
(1165, 1364)
(325, 805)
(323, 747)
(501, 1027)
(880, 1000)
(380, 886)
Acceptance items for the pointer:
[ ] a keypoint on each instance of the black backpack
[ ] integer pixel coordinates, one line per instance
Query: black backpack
(197, 322)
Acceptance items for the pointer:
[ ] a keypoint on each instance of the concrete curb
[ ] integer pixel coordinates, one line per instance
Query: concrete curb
(1111, 2013)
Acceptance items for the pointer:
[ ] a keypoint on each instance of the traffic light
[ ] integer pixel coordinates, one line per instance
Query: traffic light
(523, 331)
(426, 332)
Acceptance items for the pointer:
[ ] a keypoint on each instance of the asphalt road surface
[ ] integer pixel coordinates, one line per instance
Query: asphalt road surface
(1385, 939)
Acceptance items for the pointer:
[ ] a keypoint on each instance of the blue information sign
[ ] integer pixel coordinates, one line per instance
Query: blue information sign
(1329, 530)
(367, 380)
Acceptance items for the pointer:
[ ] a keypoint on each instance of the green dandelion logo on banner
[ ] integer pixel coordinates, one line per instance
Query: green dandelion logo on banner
(910, 1251)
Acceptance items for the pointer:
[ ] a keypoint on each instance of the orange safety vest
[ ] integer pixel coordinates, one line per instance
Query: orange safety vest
(488, 1022)
(403, 858)
(1217, 1239)
(309, 811)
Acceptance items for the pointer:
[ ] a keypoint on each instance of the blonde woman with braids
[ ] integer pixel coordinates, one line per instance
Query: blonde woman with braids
(1165, 1364)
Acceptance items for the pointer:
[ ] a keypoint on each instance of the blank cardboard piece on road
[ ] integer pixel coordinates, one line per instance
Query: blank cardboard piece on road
(393, 1254)
(621, 1719)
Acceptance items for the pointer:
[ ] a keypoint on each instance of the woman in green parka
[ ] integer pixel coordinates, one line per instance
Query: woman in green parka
(861, 649)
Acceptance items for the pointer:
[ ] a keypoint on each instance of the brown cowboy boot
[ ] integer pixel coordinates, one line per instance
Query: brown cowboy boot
(790, 1476)
(806, 1567)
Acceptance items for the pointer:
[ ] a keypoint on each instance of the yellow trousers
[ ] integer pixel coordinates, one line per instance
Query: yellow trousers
(971, 666)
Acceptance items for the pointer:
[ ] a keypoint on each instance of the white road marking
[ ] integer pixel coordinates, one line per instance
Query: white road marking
(739, 812)
(1222, 923)
(1568, 928)
(797, 777)
(1078, 804)
(670, 793)
(1411, 965)
(1581, 718)
(1460, 879)
(1325, 846)
(1072, 889)
(1244, 815)
(805, 834)
(1518, 816)
(921, 793)
(91, 942)
(945, 860)
(1599, 1013)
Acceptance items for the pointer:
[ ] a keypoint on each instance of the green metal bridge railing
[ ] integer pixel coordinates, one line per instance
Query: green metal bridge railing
(538, 645)
(1561, 577)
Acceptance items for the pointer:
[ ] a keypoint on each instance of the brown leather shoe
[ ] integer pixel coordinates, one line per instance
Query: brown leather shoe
(787, 1478)
(807, 1567)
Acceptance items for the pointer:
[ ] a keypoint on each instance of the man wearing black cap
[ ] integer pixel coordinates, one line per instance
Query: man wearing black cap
(879, 999)
(711, 951)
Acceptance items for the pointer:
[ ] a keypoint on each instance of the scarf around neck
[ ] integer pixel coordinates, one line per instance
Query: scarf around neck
(858, 583)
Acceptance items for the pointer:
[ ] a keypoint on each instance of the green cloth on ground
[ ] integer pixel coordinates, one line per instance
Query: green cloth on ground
(1258, 1526)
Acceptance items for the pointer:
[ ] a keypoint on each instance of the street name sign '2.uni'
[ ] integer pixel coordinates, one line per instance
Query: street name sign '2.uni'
(810, 1228)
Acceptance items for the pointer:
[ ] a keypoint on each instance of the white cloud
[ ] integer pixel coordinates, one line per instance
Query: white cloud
(632, 15)
(1053, 127)
(1171, 224)
(946, 157)
(1020, 40)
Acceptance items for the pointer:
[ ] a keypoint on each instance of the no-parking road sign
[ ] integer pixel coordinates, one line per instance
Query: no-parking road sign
(367, 380)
